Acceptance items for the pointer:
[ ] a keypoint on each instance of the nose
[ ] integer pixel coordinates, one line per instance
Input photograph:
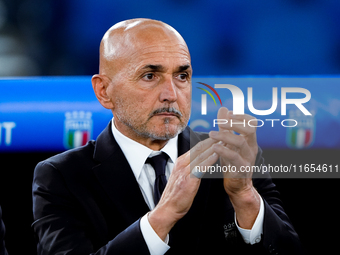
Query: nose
(168, 91)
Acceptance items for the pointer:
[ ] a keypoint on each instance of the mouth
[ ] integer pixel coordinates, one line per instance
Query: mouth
(167, 112)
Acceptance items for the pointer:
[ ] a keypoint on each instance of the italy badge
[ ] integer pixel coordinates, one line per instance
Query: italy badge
(77, 128)
(302, 135)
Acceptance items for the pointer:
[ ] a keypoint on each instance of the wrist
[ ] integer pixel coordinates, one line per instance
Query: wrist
(245, 199)
(161, 222)
(247, 206)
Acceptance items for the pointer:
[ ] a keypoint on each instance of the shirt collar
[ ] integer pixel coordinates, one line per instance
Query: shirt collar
(136, 153)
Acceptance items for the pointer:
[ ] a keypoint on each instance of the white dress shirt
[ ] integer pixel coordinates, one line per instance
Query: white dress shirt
(136, 155)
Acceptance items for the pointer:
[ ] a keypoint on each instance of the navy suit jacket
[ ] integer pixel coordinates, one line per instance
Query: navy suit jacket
(87, 201)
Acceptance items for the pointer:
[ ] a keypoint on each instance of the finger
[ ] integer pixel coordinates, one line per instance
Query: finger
(196, 167)
(228, 154)
(228, 138)
(202, 155)
(223, 114)
(199, 153)
(232, 142)
(199, 149)
(207, 158)
(243, 124)
(240, 117)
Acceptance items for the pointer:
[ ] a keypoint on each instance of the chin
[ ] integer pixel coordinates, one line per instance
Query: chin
(168, 131)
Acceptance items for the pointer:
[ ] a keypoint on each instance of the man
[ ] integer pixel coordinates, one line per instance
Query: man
(105, 197)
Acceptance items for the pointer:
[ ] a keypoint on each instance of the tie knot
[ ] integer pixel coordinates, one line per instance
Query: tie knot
(158, 163)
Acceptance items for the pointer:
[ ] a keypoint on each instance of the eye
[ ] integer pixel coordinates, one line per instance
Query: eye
(149, 76)
(182, 76)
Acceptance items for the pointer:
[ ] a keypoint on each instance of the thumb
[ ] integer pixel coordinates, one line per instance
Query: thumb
(223, 114)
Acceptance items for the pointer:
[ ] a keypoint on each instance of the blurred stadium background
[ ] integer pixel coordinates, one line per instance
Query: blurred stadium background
(233, 37)
(225, 38)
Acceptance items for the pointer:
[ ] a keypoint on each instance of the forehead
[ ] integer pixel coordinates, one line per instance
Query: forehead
(139, 45)
(156, 46)
(174, 54)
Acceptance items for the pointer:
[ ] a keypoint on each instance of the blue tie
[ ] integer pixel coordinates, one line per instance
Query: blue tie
(158, 163)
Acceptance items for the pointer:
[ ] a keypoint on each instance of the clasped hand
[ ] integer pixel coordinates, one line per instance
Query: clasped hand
(237, 150)
(233, 149)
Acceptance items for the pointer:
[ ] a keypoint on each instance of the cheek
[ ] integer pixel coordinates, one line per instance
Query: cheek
(184, 102)
(135, 105)
(122, 97)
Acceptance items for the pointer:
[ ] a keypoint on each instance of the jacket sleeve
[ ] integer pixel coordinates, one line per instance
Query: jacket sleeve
(279, 236)
(60, 227)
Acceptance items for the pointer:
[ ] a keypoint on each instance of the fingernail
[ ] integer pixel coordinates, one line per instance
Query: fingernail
(213, 155)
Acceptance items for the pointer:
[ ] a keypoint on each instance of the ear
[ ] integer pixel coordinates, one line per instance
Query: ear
(100, 85)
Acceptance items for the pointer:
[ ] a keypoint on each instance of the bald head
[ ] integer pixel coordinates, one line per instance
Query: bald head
(126, 39)
(145, 79)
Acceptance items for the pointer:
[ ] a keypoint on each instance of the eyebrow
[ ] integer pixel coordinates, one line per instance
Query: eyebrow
(183, 68)
(155, 68)
(160, 68)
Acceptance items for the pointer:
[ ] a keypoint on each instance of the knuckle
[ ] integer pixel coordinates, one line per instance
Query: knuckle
(242, 142)
(180, 165)
(233, 155)
(199, 147)
(254, 123)
(200, 157)
(180, 183)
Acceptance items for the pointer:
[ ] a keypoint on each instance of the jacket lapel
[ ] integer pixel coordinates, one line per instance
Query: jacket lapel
(192, 221)
(116, 177)
(186, 140)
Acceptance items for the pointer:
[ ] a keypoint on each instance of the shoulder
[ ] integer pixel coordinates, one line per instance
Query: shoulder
(68, 163)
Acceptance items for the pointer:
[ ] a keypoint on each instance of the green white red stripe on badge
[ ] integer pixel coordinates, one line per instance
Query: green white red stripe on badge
(300, 137)
(77, 138)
